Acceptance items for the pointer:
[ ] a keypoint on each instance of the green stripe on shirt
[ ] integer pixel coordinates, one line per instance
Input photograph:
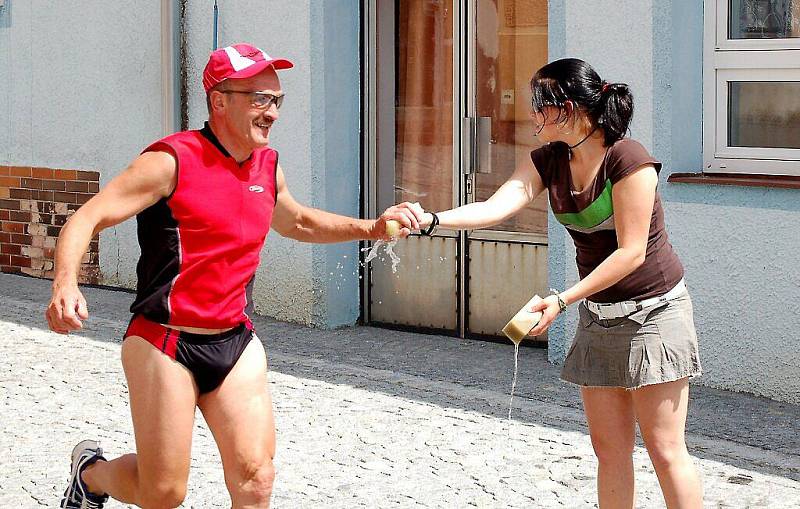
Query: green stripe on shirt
(597, 212)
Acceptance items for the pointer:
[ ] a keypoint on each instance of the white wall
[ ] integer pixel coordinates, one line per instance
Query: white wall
(82, 90)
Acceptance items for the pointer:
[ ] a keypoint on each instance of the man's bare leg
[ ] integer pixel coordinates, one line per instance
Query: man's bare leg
(163, 397)
(239, 414)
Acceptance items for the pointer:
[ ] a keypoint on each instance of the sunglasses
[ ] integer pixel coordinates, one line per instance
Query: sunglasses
(260, 100)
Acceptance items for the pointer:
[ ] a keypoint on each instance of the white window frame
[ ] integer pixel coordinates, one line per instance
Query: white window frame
(726, 60)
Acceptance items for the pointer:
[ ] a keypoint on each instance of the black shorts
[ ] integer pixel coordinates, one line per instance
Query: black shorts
(209, 357)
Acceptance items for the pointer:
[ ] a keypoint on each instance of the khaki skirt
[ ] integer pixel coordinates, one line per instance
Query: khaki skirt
(655, 345)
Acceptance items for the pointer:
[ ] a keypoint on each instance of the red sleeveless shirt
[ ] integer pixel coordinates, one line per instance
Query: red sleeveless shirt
(201, 245)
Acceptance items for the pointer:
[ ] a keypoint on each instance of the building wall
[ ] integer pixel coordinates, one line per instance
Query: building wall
(317, 137)
(87, 97)
(740, 262)
(84, 93)
(81, 93)
(735, 242)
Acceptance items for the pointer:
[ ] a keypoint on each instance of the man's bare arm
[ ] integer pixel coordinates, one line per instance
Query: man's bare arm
(149, 178)
(308, 224)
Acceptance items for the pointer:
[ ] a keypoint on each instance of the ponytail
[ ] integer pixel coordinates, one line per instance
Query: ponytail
(616, 111)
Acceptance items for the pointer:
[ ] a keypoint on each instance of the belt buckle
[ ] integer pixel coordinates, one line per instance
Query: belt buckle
(607, 311)
(629, 307)
(616, 310)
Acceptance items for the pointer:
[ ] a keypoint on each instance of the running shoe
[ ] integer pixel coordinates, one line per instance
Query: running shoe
(77, 495)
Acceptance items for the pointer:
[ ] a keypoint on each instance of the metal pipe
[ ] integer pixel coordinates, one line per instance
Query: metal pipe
(216, 24)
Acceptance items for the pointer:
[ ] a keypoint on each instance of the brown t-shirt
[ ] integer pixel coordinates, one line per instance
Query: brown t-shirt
(589, 219)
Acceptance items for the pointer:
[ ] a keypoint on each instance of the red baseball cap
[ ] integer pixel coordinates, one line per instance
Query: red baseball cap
(238, 61)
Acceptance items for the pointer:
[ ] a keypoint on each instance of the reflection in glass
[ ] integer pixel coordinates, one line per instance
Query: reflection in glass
(764, 114)
(511, 45)
(763, 19)
(424, 103)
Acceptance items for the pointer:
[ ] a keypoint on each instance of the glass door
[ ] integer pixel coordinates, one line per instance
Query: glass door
(447, 116)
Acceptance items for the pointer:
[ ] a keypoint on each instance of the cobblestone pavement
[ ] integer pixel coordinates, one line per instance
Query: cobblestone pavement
(368, 417)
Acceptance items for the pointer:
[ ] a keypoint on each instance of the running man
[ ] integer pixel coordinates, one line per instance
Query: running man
(205, 201)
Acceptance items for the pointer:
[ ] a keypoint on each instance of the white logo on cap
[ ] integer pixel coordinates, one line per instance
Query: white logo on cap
(238, 62)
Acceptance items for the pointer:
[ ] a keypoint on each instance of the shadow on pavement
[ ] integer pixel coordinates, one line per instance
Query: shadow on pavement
(450, 372)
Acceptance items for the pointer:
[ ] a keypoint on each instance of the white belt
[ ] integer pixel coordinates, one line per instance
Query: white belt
(619, 309)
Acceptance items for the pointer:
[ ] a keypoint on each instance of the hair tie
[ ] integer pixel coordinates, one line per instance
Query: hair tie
(605, 87)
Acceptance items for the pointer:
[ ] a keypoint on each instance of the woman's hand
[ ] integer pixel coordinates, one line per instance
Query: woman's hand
(549, 308)
(409, 215)
(426, 220)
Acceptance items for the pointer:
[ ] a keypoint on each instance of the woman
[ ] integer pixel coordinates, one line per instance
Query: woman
(636, 329)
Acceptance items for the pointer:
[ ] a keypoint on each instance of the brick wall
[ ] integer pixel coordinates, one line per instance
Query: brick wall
(34, 205)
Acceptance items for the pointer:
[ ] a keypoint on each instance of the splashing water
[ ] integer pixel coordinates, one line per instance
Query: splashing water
(372, 252)
(389, 250)
(514, 381)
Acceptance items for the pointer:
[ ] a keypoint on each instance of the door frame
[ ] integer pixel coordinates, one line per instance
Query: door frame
(371, 51)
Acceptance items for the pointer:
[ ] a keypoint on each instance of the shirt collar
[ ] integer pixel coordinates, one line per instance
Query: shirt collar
(210, 136)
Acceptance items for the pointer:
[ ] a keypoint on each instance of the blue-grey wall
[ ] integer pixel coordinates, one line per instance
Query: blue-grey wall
(317, 137)
(81, 89)
(575, 30)
(737, 243)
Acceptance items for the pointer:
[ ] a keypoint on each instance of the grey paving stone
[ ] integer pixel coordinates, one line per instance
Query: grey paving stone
(368, 418)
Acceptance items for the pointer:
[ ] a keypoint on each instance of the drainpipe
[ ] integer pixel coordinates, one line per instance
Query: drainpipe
(216, 24)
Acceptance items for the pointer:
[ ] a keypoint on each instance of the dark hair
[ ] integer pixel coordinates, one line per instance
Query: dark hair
(608, 105)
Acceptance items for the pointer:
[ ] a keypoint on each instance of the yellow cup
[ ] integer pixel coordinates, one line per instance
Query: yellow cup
(521, 324)
(393, 228)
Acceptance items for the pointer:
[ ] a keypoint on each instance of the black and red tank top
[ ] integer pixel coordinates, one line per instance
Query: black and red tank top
(201, 245)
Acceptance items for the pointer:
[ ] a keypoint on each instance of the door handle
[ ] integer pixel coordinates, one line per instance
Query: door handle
(483, 145)
(468, 145)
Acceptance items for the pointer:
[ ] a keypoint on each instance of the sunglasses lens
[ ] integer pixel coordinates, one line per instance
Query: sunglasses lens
(266, 100)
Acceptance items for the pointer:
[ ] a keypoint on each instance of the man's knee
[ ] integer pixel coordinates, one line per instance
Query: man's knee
(254, 482)
(162, 495)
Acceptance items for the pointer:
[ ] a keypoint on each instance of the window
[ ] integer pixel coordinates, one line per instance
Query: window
(751, 87)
